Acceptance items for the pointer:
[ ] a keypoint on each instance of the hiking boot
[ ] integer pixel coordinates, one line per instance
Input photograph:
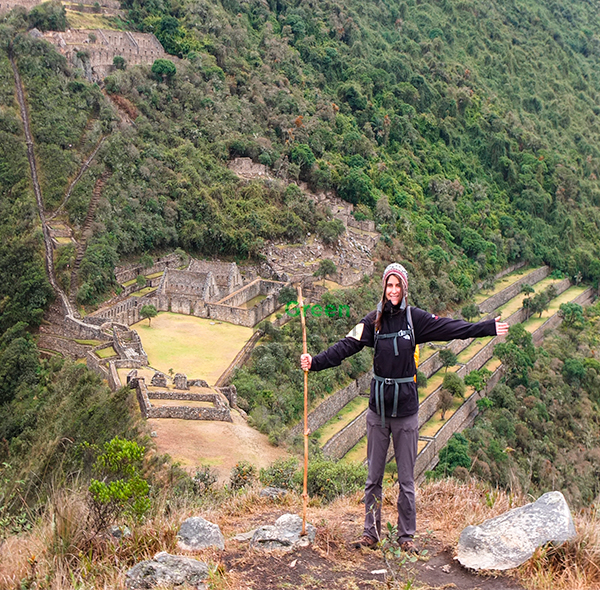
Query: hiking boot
(409, 547)
(365, 541)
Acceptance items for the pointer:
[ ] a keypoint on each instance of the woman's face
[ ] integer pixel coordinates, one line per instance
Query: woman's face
(393, 290)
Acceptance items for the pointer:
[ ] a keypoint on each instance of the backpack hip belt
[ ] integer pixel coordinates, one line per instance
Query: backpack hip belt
(380, 383)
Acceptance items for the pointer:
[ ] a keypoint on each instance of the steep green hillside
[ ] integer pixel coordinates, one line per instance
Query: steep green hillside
(468, 130)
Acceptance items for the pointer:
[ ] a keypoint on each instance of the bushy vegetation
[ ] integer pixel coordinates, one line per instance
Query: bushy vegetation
(47, 429)
(539, 430)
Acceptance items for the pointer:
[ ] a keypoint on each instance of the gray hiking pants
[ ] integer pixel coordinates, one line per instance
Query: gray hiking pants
(405, 433)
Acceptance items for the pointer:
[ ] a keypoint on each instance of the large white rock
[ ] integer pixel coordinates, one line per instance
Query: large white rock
(510, 539)
(167, 570)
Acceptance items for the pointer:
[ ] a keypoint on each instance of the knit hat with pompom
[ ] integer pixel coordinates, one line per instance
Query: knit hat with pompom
(400, 272)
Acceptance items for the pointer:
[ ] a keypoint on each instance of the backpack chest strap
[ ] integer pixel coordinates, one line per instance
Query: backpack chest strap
(395, 336)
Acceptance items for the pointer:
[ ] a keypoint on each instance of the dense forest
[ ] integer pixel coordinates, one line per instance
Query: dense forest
(467, 130)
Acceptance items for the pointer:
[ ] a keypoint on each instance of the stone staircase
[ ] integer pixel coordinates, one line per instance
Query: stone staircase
(81, 245)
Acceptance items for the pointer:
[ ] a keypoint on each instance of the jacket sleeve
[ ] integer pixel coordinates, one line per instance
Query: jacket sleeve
(429, 327)
(359, 337)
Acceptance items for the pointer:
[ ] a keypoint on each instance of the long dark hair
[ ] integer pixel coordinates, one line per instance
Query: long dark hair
(382, 303)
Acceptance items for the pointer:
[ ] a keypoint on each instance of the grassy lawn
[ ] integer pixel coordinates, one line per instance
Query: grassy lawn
(348, 413)
(502, 283)
(201, 348)
(432, 384)
(64, 240)
(532, 324)
(492, 364)
(155, 275)
(358, 453)
(425, 352)
(254, 301)
(517, 302)
(143, 291)
(431, 427)
(105, 353)
(88, 342)
(82, 20)
(468, 353)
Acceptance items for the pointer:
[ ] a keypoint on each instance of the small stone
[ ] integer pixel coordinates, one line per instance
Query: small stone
(197, 533)
(244, 536)
(154, 434)
(510, 539)
(119, 532)
(274, 493)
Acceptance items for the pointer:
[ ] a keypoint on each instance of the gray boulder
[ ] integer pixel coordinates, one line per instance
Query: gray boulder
(197, 533)
(510, 539)
(167, 570)
(284, 534)
(180, 381)
(159, 380)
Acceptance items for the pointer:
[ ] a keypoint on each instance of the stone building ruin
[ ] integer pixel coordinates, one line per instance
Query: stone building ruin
(227, 275)
(194, 285)
(95, 49)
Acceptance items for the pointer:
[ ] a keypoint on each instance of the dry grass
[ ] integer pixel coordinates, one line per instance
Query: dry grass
(446, 507)
(61, 553)
(572, 566)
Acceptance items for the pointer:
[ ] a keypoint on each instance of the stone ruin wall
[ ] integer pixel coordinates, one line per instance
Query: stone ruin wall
(227, 274)
(193, 284)
(125, 312)
(329, 407)
(128, 344)
(504, 272)
(188, 305)
(129, 272)
(220, 412)
(513, 290)
(8, 5)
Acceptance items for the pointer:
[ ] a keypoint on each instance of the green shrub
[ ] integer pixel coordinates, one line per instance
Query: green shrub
(280, 474)
(243, 474)
(122, 490)
(329, 479)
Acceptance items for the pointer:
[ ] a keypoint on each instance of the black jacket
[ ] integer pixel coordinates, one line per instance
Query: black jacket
(427, 328)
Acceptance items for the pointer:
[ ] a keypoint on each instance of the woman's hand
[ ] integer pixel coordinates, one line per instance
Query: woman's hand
(501, 327)
(305, 362)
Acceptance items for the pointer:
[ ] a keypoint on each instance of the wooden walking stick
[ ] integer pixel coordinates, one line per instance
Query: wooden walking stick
(305, 489)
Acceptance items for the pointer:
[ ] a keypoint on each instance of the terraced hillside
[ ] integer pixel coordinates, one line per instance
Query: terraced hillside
(343, 434)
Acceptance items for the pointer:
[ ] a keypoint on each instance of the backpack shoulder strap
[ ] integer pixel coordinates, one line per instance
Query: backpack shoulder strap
(410, 325)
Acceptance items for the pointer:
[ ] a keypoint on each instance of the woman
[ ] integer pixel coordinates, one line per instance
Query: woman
(393, 330)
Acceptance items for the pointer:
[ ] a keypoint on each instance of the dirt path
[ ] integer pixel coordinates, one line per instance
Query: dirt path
(218, 444)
